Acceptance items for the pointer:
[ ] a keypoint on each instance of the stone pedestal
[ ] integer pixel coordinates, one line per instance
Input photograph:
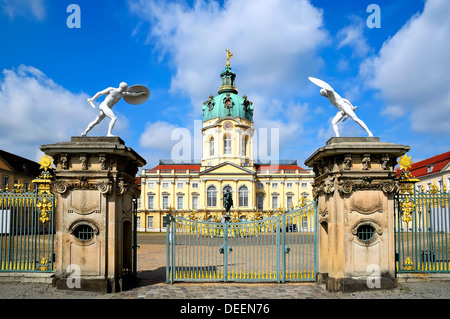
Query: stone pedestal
(355, 183)
(95, 186)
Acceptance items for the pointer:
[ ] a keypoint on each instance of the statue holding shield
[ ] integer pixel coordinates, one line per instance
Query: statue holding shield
(135, 94)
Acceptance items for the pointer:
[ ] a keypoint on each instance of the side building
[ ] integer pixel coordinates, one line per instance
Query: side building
(227, 163)
(17, 172)
(433, 171)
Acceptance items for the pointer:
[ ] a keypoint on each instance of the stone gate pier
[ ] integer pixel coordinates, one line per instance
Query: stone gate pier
(354, 185)
(95, 186)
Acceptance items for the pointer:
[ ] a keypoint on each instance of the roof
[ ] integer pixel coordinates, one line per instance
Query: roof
(437, 162)
(21, 164)
(177, 166)
(259, 167)
(137, 180)
(227, 103)
(278, 167)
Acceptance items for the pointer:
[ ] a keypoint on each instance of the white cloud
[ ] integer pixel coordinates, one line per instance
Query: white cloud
(412, 70)
(158, 136)
(353, 36)
(35, 111)
(274, 43)
(24, 8)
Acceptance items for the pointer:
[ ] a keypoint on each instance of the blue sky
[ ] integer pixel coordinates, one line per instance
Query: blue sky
(397, 74)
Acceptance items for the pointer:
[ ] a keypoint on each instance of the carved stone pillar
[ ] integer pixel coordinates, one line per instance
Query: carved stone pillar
(354, 185)
(95, 187)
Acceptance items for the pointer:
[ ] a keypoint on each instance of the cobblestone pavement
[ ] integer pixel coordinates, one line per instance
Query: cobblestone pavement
(411, 290)
(151, 274)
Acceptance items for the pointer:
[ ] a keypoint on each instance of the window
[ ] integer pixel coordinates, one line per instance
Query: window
(244, 145)
(260, 202)
(165, 201)
(365, 232)
(150, 222)
(274, 185)
(150, 184)
(5, 181)
(305, 222)
(259, 185)
(194, 185)
(150, 200)
(165, 221)
(138, 222)
(211, 196)
(180, 185)
(84, 232)
(195, 202)
(441, 184)
(179, 202)
(288, 185)
(288, 201)
(165, 185)
(211, 146)
(430, 168)
(304, 185)
(243, 196)
(274, 201)
(227, 188)
(227, 145)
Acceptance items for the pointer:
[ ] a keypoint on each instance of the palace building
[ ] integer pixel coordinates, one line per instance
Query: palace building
(17, 172)
(432, 172)
(228, 162)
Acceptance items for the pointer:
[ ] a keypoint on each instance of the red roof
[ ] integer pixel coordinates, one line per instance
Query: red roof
(179, 166)
(438, 162)
(137, 180)
(197, 166)
(278, 167)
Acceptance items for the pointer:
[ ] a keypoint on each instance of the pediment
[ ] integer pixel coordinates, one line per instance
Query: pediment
(226, 169)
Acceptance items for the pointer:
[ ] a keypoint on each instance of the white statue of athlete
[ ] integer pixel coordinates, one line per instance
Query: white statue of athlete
(346, 109)
(113, 95)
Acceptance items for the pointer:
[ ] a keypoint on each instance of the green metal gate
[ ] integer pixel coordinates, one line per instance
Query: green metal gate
(422, 229)
(278, 249)
(27, 228)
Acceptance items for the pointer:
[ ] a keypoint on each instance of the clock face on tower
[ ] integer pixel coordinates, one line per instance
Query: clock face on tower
(228, 125)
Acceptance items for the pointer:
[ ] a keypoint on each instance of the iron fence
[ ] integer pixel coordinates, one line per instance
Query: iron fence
(279, 249)
(422, 229)
(26, 231)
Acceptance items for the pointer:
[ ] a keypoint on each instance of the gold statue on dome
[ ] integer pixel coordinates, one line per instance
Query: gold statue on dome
(229, 55)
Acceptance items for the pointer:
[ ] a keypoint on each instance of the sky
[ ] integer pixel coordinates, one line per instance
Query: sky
(389, 58)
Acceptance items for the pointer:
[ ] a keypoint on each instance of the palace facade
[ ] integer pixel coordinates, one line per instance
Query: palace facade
(432, 172)
(227, 163)
(17, 172)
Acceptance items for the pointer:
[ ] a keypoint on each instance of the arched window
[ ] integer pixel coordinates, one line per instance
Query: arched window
(227, 144)
(244, 145)
(211, 196)
(243, 196)
(211, 146)
(227, 187)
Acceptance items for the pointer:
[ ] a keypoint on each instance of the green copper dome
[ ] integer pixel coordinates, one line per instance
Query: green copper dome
(227, 103)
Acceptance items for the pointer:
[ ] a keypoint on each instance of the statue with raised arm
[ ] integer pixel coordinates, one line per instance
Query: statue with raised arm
(346, 109)
(135, 94)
